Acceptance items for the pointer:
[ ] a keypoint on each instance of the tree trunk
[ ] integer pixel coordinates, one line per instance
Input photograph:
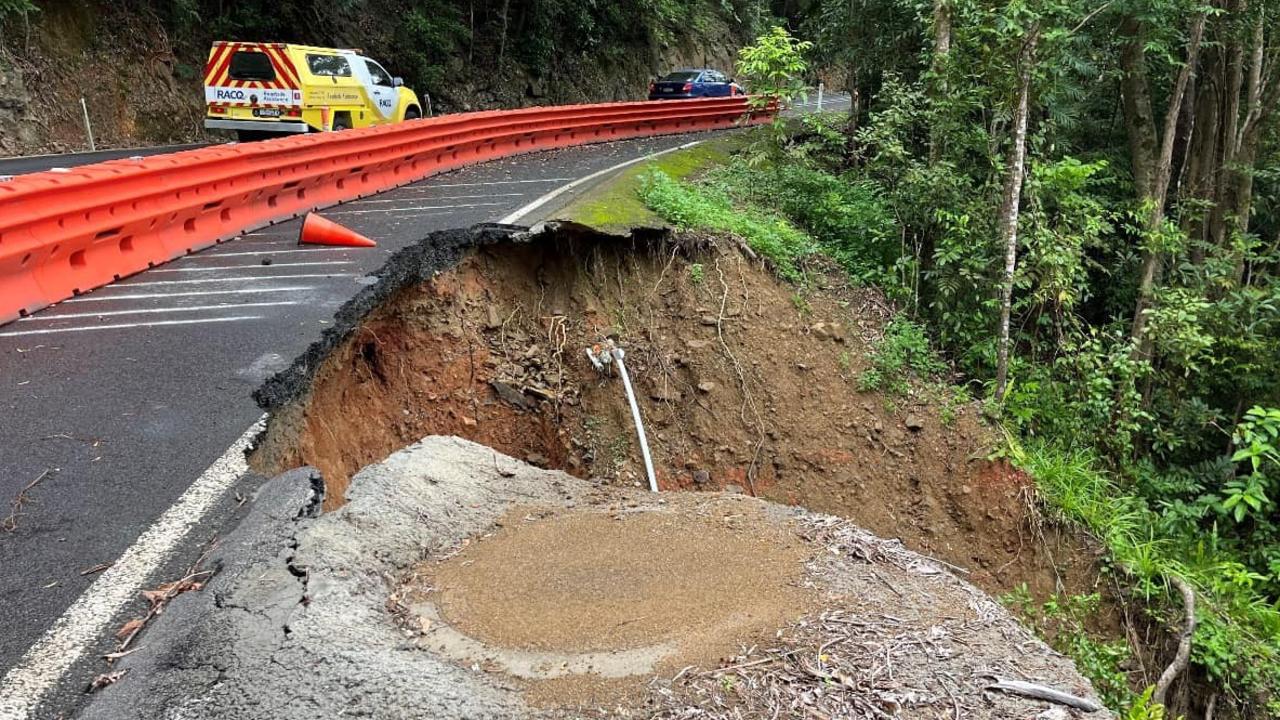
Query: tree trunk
(941, 51)
(1140, 124)
(1263, 94)
(941, 30)
(1202, 161)
(1015, 171)
(1161, 171)
(502, 44)
(1219, 218)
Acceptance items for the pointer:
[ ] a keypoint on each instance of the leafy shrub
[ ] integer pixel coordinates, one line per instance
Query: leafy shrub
(902, 354)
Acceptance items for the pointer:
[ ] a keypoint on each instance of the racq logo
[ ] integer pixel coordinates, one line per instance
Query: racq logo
(224, 94)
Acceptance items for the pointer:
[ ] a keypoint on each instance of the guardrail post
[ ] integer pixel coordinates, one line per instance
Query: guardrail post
(88, 129)
(819, 97)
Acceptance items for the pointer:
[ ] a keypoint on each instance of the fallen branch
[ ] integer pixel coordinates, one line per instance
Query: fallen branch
(1044, 692)
(1184, 641)
(10, 523)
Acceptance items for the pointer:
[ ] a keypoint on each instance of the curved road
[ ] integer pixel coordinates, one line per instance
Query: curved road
(117, 403)
(38, 163)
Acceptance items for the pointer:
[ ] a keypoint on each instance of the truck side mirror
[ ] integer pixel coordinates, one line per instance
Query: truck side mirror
(397, 82)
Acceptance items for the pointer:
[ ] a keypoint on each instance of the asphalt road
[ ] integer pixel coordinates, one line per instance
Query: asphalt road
(116, 401)
(38, 163)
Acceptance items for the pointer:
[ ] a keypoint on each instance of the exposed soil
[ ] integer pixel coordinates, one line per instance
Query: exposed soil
(744, 385)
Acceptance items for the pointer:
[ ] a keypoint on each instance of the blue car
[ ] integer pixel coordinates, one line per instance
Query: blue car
(693, 83)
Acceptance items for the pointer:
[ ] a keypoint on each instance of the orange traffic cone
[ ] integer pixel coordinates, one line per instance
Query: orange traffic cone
(319, 231)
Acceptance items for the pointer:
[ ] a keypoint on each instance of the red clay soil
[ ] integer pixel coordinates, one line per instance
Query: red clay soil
(744, 382)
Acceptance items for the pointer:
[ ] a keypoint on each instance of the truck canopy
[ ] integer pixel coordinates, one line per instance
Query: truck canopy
(246, 74)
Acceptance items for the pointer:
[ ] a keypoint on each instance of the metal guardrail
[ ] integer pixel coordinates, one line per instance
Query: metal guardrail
(69, 231)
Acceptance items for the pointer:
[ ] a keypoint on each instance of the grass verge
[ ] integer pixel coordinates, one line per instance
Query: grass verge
(617, 206)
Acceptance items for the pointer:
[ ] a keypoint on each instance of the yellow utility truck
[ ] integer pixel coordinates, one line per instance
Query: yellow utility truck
(260, 90)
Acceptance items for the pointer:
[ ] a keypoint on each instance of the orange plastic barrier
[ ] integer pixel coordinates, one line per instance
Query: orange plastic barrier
(66, 232)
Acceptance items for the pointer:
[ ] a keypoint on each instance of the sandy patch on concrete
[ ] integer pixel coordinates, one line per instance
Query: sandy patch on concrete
(617, 578)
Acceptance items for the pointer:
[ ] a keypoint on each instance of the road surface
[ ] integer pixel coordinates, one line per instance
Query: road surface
(38, 163)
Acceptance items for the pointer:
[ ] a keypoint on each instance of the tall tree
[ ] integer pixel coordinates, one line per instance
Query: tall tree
(1015, 172)
(1151, 148)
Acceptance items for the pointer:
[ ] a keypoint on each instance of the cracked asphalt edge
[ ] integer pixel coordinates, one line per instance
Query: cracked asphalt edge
(295, 622)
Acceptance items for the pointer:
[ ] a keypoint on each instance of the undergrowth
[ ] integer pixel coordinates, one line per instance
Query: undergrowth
(1235, 637)
(690, 206)
(1063, 619)
(902, 354)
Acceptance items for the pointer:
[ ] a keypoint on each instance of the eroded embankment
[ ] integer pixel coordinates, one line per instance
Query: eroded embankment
(744, 385)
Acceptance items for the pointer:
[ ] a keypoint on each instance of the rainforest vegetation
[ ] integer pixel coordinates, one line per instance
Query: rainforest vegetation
(1077, 204)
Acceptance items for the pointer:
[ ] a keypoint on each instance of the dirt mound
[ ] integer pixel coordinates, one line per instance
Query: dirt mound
(588, 580)
(746, 384)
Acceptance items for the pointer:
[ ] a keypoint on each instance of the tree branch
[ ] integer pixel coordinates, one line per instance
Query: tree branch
(1184, 642)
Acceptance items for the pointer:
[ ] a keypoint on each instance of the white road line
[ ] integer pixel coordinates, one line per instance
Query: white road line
(216, 255)
(89, 617)
(410, 209)
(451, 197)
(126, 326)
(236, 279)
(515, 217)
(144, 311)
(212, 268)
(492, 182)
(272, 239)
(95, 297)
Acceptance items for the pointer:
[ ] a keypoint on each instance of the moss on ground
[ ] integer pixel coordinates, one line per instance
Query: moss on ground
(615, 205)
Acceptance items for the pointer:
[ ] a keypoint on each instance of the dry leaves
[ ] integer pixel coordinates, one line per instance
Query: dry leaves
(106, 679)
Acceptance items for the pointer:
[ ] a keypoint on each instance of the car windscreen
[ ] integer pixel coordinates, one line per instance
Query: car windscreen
(329, 65)
(680, 77)
(248, 65)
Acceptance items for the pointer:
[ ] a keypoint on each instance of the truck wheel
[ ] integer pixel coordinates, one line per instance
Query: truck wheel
(245, 136)
(341, 122)
(412, 113)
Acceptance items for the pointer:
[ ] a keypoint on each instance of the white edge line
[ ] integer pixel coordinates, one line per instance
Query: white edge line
(25, 686)
(146, 311)
(515, 217)
(126, 326)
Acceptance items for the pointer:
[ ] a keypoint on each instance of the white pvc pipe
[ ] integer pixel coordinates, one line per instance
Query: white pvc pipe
(618, 354)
